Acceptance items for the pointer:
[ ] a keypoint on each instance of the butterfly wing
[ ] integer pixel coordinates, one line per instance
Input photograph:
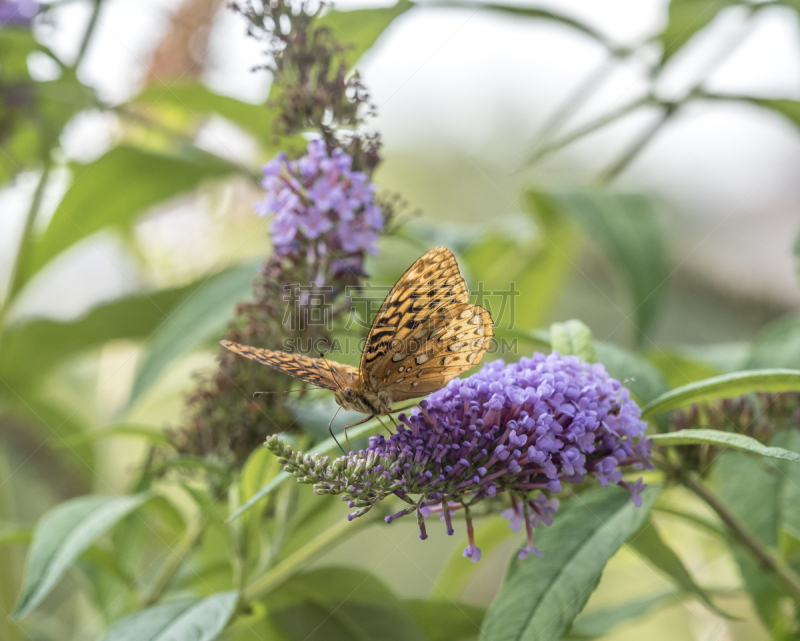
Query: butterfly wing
(460, 337)
(305, 368)
(426, 332)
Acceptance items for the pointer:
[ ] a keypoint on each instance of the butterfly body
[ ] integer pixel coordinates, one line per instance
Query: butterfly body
(425, 334)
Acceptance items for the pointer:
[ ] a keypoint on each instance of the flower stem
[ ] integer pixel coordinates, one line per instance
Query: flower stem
(785, 576)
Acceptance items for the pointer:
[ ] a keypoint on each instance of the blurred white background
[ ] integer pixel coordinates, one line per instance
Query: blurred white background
(461, 97)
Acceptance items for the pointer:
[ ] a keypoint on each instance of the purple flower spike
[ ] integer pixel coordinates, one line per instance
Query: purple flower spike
(522, 429)
(318, 200)
(18, 12)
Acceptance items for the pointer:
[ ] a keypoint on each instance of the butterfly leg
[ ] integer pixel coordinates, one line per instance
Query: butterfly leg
(384, 426)
(403, 409)
(427, 416)
(347, 438)
(396, 426)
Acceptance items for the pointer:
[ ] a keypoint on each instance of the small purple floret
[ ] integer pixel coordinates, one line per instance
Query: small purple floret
(473, 552)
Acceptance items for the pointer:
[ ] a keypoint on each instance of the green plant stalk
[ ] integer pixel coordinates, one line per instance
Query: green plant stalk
(188, 543)
(87, 36)
(728, 47)
(599, 123)
(570, 106)
(608, 176)
(785, 576)
(264, 584)
(16, 279)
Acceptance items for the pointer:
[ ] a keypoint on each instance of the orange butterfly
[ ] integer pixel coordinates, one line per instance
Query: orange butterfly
(424, 334)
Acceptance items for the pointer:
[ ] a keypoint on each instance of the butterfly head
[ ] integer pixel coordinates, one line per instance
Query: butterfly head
(346, 397)
(364, 401)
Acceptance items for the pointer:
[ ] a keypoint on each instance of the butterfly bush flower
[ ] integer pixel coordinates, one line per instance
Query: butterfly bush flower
(522, 430)
(319, 202)
(17, 12)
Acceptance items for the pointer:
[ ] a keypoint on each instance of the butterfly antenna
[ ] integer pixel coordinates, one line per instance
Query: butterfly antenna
(330, 429)
(333, 374)
(288, 391)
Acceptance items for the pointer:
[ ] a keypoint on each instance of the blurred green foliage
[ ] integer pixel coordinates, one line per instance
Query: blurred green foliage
(161, 558)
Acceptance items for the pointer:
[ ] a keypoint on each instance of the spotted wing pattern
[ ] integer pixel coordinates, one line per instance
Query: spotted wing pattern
(426, 332)
(310, 370)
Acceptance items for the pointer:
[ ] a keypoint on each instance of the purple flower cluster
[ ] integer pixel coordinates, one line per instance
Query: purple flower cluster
(523, 429)
(318, 201)
(18, 12)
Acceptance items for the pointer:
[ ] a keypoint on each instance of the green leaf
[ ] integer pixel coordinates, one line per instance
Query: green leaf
(529, 12)
(325, 447)
(62, 535)
(45, 425)
(627, 228)
(686, 18)
(150, 434)
(362, 27)
(446, 620)
(193, 100)
(680, 369)
(456, 574)
(644, 380)
(789, 495)
(22, 357)
(730, 440)
(726, 358)
(33, 121)
(600, 623)
(777, 345)
(260, 467)
(789, 109)
(114, 190)
(727, 386)
(695, 519)
(333, 604)
(572, 337)
(540, 597)
(537, 267)
(184, 620)
(545, 266)
(201, 317)
(649, 544)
